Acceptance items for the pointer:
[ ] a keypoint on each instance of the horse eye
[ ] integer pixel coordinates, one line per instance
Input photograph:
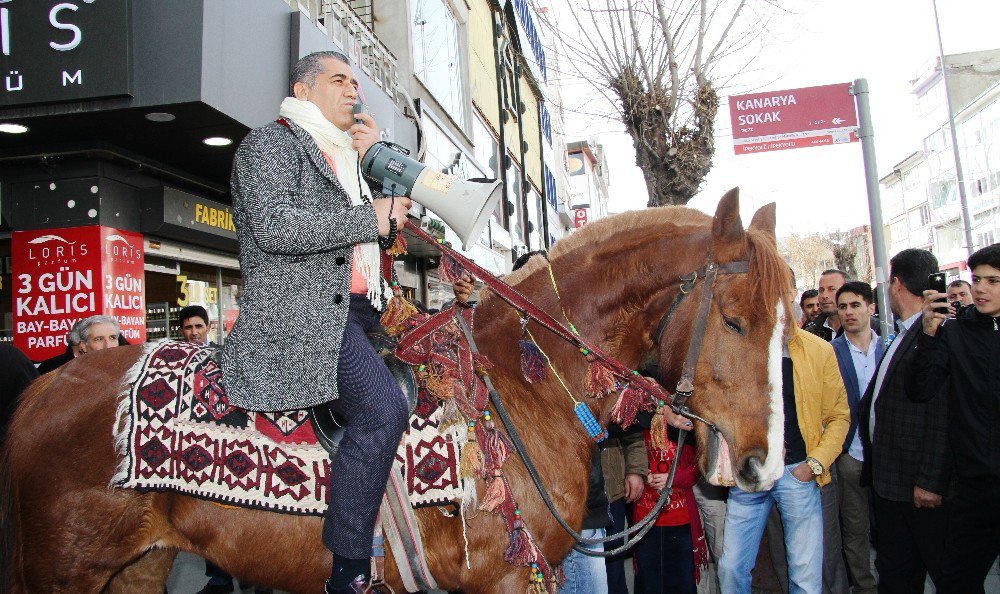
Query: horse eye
(733, 325)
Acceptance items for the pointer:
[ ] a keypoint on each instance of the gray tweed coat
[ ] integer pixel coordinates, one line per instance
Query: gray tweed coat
(296, 229)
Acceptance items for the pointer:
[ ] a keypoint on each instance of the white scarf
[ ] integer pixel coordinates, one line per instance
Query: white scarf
(338, 145)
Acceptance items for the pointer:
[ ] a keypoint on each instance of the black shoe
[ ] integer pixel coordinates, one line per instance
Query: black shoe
(357, 586)
(216, 589)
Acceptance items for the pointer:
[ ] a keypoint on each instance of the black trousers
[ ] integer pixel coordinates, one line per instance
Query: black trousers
(972, 542)
(376, 413)
(910, 544)
(615, 566)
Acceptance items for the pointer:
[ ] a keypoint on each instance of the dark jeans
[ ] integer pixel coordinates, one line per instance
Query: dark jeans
(909, 546)
(376, 413)
(972, 542)
(615, 566)
(665, 561)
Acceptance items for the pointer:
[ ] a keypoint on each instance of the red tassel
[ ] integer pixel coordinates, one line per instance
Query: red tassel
(496, 492)
(533, 365)
(627, 406)
(520, 549)
(600, 380)
(397, 312)
(449, 270)
(495, 448)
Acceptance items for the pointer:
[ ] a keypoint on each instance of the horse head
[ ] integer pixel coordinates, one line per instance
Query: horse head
(737, 380)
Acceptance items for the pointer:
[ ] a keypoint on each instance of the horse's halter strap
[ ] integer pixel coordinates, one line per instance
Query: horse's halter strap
(709, 272)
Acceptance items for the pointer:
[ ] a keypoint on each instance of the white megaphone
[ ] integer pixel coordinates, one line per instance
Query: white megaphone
(465, 205)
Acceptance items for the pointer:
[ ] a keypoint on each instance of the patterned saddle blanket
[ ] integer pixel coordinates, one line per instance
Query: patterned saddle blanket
(176, 431)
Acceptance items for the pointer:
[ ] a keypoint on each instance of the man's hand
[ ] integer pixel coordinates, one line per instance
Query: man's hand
(463, 289)
(365, 134)
(400, 205)
(675, 420)
(932, 319)
(633, 487)
(803, 473)
(925, 499)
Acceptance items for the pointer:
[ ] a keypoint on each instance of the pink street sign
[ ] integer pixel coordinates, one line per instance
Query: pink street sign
(794, 118)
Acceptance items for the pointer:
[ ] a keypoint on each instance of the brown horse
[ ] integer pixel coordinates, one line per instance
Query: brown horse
(65, 530)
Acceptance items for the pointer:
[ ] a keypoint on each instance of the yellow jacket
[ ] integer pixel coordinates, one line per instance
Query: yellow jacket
(820, 399)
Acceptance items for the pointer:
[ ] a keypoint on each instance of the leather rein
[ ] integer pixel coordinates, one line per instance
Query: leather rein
(677, 400)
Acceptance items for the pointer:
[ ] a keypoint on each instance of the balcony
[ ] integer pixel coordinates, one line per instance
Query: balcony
(349, 23)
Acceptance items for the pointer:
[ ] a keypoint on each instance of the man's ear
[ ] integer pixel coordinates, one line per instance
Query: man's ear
(300, 90)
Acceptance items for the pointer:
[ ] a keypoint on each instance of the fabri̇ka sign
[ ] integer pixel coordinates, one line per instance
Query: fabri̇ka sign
(63, 275)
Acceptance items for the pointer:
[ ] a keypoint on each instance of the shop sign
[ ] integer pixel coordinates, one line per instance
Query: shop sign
(579, 217)
(64, 50)
(63, 275)
(198, 213)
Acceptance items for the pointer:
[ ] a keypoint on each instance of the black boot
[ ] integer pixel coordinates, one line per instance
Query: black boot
(357, 586)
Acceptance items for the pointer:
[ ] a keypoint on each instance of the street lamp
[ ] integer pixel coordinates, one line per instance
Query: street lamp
(966, 219)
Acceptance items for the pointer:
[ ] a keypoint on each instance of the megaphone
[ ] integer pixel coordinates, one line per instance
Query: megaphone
(465, 205)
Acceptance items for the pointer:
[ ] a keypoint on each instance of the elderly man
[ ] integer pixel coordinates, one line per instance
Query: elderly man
(310, 233)
(960, 291)
(98, 333)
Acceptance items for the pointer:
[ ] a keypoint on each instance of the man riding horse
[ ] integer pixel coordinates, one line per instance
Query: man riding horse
(310, 233)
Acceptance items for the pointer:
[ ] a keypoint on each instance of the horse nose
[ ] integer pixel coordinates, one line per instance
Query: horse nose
(751, 468)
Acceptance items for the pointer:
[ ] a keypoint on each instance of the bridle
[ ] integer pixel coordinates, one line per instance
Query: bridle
(677, 401)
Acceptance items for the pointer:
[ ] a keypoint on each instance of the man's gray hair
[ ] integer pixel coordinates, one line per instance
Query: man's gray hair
(85, 324)
(73, 337)
(308, 68)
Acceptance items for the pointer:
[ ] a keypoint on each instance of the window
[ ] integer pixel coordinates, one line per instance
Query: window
(515, 206)
(437, 58)
(985, 239)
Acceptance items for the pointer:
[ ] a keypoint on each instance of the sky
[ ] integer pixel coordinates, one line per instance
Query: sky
(820, 189)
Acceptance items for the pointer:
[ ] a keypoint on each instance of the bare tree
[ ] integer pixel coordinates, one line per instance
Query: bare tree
(655, 62)
(808, 255)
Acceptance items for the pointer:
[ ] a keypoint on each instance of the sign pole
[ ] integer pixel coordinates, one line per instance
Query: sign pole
(867, 136)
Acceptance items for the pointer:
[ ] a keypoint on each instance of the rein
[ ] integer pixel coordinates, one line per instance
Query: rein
(677, 401)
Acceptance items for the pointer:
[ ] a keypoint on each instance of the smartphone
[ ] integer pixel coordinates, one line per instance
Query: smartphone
(938, 281)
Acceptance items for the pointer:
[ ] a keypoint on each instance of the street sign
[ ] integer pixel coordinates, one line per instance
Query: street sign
(795, 118)
(579, 217)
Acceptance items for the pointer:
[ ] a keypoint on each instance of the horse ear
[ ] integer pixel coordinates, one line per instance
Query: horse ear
(727, 227)
(764, 220)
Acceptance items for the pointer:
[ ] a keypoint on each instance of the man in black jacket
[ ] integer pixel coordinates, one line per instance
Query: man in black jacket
(16, 372)
(963, 355)
(907, 458)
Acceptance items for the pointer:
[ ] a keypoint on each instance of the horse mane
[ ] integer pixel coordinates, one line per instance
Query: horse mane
(600, 234)
(769, 274)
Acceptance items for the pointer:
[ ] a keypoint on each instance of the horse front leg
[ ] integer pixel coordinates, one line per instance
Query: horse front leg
(146, 575)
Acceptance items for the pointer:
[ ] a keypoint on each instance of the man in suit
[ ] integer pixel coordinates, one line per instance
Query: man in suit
(310, 233)
(858, 351)
(907, 459)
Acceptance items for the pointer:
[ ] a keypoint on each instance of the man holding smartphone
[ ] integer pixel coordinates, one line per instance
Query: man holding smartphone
(310, 233)
(964, 356)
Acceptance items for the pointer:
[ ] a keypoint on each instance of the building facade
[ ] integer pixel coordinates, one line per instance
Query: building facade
(920, 196)
(119, 121)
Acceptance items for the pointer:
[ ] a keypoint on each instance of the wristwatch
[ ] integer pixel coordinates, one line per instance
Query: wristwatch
(814, 465)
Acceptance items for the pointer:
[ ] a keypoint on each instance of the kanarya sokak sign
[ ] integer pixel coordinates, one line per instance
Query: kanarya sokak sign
(63, 275)
(796, 118)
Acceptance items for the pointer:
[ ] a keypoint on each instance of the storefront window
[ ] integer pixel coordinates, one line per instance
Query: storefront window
(514, 205)
(172, 285)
